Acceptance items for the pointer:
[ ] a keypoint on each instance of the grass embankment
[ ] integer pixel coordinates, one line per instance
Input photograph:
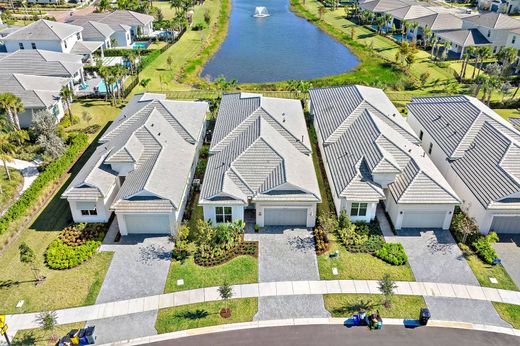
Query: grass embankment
(345, 305)
(38, 337)
(485, 271)
(205, 314)
(10, 189)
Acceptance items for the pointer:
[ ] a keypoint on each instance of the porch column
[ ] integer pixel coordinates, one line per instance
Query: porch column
(102, 52)
(461, 51)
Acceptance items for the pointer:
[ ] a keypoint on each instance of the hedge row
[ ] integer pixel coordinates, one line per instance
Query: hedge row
(249, 248)
(125, 51)
(54, 170)
(62, 256)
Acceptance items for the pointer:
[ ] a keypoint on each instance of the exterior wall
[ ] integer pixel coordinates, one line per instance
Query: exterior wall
(123, 38)
(513, 40)
(122, 169)
(54, 45)
(371, 211)
(311, 211)
(26, 116)
(237, 212)
(498, 38)
(102, 207)
(384, 179)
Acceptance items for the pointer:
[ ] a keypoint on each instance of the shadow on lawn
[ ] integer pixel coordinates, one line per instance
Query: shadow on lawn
(362, 305)
(27, 339)
(193, 315)
(56, 214)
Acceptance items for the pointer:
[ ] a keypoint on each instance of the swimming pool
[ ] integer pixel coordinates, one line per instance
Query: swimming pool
(142, 45)
(102, 88)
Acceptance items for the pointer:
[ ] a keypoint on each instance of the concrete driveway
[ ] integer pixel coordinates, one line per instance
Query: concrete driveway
(287, 254)
(508, 249)
(139, 268)
(435, 257)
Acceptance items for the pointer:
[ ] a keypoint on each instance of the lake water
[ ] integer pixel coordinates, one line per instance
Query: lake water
(280, 47)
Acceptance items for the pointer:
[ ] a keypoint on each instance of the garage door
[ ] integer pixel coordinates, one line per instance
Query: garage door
(285, 217)
(151, 224)
(423, 219)
(506, 224)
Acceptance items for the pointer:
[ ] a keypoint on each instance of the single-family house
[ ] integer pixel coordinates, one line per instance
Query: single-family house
(495, 27)
(501, 6)
(438, 22)
(95, 31)
(372, 156)
(384, 6)
(38, 93)
(260, 166)
(461, 39)
(143, 167)
(478, 152)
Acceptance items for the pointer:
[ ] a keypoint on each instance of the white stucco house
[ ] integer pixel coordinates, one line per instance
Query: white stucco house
(495, 27)
(478, 152)
(143, 168)
(260, 164)
(371, 155)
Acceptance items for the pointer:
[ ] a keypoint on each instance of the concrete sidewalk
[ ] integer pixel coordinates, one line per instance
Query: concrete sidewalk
(267, 289)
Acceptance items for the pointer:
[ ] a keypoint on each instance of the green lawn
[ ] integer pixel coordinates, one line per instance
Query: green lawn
(9, 188)
(509, 313)
(485, 271)
(100, 111)
(205, 314)
(240, 270)
(166, 9)
(38, 337)
(359, 266)
(345, 305)
(508, 113)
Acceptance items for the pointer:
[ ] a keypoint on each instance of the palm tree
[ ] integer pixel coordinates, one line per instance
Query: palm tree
(11, 104)
(483, 52)
(447, 47)
(66, 95)
(6, 152)
(414, 25)
(388, 20)
(470, 51)
(404, 29)
(427, 34)
(507, 56)
(434, 42)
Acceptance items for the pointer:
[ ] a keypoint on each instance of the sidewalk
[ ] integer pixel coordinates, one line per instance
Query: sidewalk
(28, 169)
(267, 289)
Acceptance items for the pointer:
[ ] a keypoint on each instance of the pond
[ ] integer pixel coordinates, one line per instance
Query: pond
(281, 46)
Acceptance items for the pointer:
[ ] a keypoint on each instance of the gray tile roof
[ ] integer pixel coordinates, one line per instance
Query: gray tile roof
(86, 47)
(160, 137)
(494, 20)
(411, 12)
(34, 91)
(44, 30)
(483, 149)
(93, 31)
(464, 38)
(515, 121)
(7, 29)
(40, 63)
(260, 145)
(117, 20)
(440, 22)
(369, 137)
(382, 6)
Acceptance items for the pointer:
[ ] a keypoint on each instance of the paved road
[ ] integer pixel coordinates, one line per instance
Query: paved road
(339, 335)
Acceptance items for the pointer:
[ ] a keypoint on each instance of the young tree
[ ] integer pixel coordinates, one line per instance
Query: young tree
(6, 152)
(66, 95)
(47, 321)
(387, 287)
(322, 10)
(86, 117)
(28, 257)
(44, 126)
(169, 61)
(424, 77)
(144, 82)
(226, 292)
(464, 224)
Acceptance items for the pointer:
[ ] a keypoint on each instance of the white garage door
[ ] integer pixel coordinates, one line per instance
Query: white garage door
(506, 224)
(423, 219)
(147, 224)
(285, 217)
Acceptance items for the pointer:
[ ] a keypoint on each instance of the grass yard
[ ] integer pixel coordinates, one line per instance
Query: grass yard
(508, 113)
(485, 271)
(61, 289)
(166, 9)
(240, 270)
(358, 266)
(204, 314)
(345, 305)
(9, 188)
(101, 112)
(38, 337)
(509, 313)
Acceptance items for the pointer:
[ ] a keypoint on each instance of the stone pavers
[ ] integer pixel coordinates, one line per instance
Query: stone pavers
(508, 249)
(286, 254)
(139, 269)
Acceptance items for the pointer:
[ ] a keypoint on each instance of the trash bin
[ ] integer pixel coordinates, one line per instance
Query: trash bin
(424, 316)
(90, 334)
(82, 338)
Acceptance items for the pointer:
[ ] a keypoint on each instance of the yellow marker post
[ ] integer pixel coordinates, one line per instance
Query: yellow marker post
(3, 329)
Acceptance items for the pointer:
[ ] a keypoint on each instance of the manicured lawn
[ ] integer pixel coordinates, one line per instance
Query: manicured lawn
(38, 337)
(9, 188)
(359, 266)
(167, 11)
(345, 305)
(485, 271)
(61, 289)
(508, 113)
(102, 113)
(205, 314)
(509, 313)
(240, 270)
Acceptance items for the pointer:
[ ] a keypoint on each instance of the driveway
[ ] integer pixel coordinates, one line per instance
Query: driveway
(435, 257)
(508, 249)
(287, 254)
(139, 268)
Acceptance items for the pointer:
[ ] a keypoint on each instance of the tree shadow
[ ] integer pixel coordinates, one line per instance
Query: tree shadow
(356, 307)
(27, 339)
(193, 315)
(10, 283)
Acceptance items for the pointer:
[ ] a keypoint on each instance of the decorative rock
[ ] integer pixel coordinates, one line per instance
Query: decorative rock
(20, 303)
(180, 282)
(334, 271)
(493, 280)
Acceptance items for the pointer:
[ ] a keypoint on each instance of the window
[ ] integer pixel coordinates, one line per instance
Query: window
(358, 209)
(33, 45)
(489, 33)
(65, 44)
(513, 40)
(92, 212)
(78, 36)
(430, 148)
(223, 214)
(20, 44)
(421, 134)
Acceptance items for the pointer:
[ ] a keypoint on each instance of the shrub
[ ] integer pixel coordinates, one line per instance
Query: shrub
(62, 256)
(484, 249)
(350, 237)
(198, 27)
(392, 253)
(79, 234)
(321, 240)
(65, 121)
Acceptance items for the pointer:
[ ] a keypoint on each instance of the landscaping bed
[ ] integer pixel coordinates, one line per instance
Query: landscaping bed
(345, 305)
(204, 315)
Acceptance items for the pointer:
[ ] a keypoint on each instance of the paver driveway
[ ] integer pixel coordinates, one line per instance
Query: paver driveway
(508, 249)
(435, 257)
(287, 254)
(139, 268)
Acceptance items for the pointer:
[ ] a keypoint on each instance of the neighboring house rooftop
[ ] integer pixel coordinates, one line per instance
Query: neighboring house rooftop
(160, 138)
(411, 12)
(117, 20)
(94, 31)
(482, 148)
(7, 29)
(440, 22)
(465, 38)
(363, 135)
(43, 30)
(380, 6)
(34, 91)
(260, 150)
(86, 47)
(40, 63)
(494, 20)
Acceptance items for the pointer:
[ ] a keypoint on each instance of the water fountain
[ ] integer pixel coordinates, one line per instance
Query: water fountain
(261, 12)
